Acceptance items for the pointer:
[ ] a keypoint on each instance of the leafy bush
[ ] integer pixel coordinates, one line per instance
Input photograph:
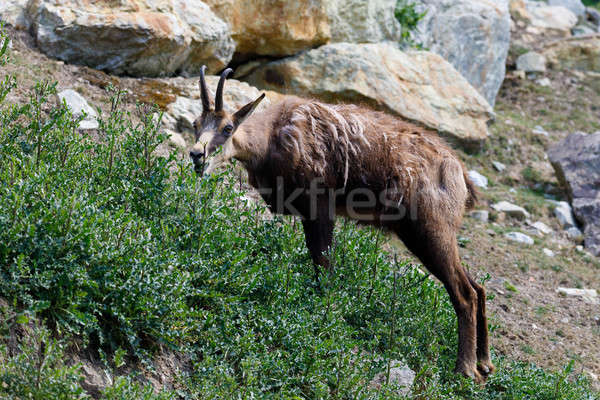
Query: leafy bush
(38, 371)
(407, 15)
(116, 241)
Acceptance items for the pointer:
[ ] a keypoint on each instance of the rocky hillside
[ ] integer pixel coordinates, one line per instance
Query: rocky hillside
(513, 85)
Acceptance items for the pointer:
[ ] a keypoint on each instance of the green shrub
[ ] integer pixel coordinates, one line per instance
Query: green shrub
(38, 371)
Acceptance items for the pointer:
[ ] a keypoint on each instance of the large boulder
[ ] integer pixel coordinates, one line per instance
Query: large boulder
(575, 6)
(285, 27)
(417, 85)
(581, 52)
(556, 20)
(137, 38)
(12, 12)
(576, 161)
(473, 35)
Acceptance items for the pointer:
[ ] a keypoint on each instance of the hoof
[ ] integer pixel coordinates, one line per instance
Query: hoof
(473, 374)
(485, 368)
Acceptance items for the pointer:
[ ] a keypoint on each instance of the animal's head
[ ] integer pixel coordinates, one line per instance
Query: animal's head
(215, 128)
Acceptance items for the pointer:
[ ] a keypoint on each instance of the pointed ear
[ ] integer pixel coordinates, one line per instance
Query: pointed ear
(244, 112)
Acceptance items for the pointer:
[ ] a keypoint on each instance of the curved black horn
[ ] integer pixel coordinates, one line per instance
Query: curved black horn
(219, 94)
(203, 90)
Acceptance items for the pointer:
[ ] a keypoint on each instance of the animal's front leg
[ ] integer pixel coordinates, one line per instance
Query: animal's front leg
(319, 234)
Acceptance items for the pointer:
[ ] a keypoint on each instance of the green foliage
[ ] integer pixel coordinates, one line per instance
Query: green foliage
(38, 371)
(115, 241)
(407, 15)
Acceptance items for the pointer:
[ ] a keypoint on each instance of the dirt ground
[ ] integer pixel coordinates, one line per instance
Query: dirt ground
(530, 321)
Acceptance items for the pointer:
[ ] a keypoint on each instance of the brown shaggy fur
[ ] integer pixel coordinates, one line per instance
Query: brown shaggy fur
(351, 151)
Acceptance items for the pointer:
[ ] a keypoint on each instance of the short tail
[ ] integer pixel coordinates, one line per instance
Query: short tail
(473, 192)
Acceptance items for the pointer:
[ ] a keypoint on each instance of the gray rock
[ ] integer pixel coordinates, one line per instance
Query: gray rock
(418, 85)
(12, 12)
(545, 82)
(498, 166)
(480, 215)
(556, 20)
(575, 234)
(156, 38)
(473, 35)
(538, 130)
(575, 6)
(587, 295)
(510, 209)
(564, 213)
(519, 237)
(541, 228)
(548, 252)
(478, 179)
(363, 21)
(576, 160)
(79, 106)
(401, 376)
(531, 62)
(287, 27)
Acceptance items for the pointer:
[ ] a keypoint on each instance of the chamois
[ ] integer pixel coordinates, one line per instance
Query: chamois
(316, 160)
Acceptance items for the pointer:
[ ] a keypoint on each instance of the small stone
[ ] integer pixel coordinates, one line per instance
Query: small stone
(531, 62)
(400, 375)
(592, 375)
(548, 252)
(498, 166)
(480, 215)
(575, 234)
(579, 248)
(538, 130)
(519, 237)
(564, 214)
(589, 296)
(491, 232)
(545, 82)
(565, 320)
(478, 179)
(541, 228)
(79, 106)
(511, 209)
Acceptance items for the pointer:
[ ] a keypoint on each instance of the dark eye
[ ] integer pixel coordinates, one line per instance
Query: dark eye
(228, 130)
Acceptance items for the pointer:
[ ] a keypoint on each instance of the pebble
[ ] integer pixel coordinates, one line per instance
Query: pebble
(480, 215)
(519, 237)
(544, 82)
(498, 166)
(538, 130)
(548, 252)
(478, 179)
(511, 209)
(541, 228)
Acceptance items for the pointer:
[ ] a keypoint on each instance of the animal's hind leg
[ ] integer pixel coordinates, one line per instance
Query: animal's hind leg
(484, 363)
(438, 250)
